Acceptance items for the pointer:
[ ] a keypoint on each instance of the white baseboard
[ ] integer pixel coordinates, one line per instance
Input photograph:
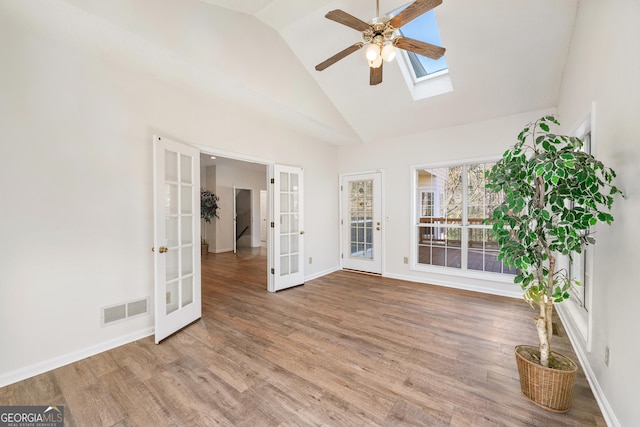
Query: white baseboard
(57, 362)
(321, 273)
(492, 291)
(598, 393)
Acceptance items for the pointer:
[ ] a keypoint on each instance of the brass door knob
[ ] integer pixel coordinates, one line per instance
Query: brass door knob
(163, 249)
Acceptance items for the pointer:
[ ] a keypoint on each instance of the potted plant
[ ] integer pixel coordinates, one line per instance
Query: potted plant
(208, 210)
(554, 193)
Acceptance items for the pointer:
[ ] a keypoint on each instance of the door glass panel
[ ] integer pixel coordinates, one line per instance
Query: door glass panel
(284, 224)
(187, 261)
(284, 265)
(172, 231)
(186, 232)
(187, 291)
(185, 199)
(294, 202)
(284, 202)
(172, 296)
(294, 223)
(284, 182)
(284, 244)
(361, 219)
(294, 263)
(171, 166)
(185, 169)
(172, 264)
(294, 243)
(171, 199)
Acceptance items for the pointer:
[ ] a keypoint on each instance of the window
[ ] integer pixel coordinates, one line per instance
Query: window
(579, 316)
(453, 205)
(425, 77)
(424, 28)
(427, 205)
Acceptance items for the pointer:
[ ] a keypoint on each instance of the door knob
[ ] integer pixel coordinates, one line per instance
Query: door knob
(162, 249)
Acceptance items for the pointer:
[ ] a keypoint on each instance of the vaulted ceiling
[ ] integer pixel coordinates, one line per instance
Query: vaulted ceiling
(504, 56)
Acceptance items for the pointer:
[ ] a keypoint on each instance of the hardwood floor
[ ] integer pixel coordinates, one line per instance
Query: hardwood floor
(342, 350)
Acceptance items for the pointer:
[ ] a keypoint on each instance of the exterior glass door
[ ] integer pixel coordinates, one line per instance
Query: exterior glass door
(362, 222)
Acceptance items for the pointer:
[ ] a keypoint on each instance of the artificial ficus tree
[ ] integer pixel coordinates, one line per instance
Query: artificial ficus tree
(208, 207)
(554, 194)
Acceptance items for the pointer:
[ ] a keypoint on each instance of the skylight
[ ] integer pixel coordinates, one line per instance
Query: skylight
(424, 28)
(425, 77)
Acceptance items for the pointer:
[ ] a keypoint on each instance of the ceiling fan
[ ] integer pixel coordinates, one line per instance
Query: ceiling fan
(381, 37)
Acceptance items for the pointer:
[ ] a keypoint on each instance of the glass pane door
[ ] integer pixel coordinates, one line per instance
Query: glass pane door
(362, 222)
(176, 236)
(179, 221)
(361, 219)
(288, 243)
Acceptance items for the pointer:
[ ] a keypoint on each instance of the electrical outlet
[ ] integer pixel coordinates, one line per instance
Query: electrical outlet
(606, 355)
(406, 260)
(168, 297)
(310, 260)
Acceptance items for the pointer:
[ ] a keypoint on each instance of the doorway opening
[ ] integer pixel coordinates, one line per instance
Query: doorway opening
(244, 221)
(236, 232)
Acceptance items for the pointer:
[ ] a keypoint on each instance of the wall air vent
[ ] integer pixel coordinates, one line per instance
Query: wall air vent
(123, 311)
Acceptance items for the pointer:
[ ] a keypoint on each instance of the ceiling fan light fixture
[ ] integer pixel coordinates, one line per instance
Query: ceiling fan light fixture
(372, 52)
(388, 52)
(376, 63)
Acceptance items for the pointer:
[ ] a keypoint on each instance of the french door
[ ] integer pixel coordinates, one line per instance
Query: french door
(287, 228)
(361, 222)
(176, 218)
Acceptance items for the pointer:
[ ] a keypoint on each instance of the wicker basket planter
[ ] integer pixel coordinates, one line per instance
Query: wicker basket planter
(549, 388)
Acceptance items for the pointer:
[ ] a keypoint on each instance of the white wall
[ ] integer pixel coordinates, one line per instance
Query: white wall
(604, 66)
(81, 100)
(396, 158)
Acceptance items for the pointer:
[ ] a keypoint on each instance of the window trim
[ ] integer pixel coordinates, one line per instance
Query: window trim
(415, 219)
(580, 318)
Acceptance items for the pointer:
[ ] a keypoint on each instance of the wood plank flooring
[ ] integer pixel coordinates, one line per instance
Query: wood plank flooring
(342, 350)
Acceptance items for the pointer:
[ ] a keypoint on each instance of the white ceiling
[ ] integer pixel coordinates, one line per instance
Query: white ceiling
(504, 56)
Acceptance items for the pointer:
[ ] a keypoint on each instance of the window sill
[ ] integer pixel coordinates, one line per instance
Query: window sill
(470, 274)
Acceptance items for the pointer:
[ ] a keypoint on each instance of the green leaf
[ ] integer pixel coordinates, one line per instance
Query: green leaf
(544, 127)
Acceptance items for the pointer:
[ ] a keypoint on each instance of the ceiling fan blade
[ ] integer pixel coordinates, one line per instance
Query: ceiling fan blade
(344, 18)
(338, 56)
(421, 48)
(412, 11)
(375, 75)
